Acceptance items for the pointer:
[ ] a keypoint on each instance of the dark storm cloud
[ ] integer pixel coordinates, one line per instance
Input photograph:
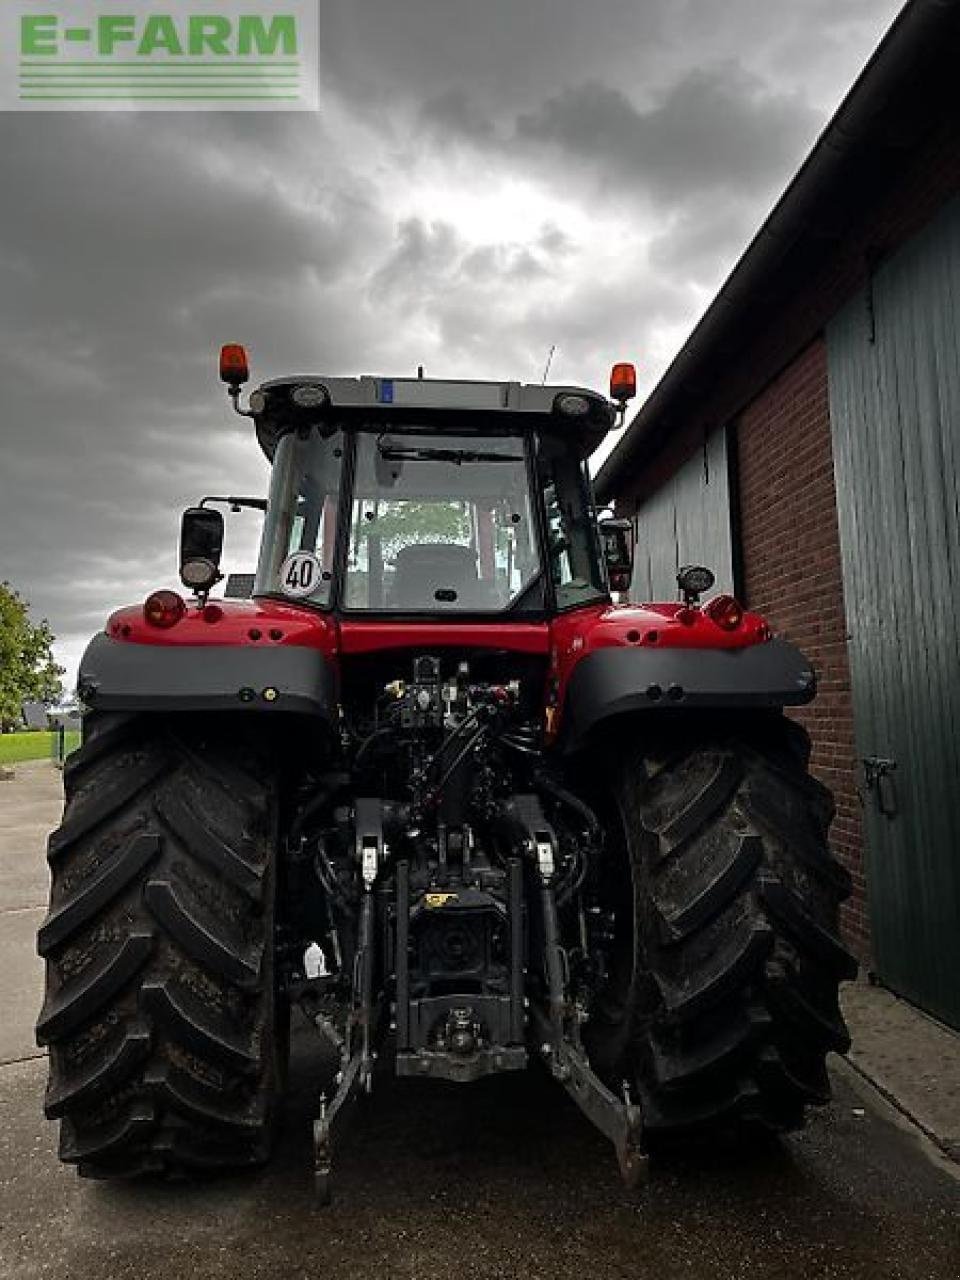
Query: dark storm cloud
(130, 227)
(690, 244)
(512, 55)
(715, 129)
(508, 52)
(453, 113)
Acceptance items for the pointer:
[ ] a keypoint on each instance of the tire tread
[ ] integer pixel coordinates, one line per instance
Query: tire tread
(737, 896)
(159, 1007)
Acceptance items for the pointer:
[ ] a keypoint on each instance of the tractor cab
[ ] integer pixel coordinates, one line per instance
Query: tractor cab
(406, 497)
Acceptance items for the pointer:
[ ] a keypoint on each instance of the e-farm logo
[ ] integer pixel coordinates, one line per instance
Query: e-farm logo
(171, 55)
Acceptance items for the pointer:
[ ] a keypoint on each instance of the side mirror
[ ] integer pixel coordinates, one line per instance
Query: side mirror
(201, 546)
(617, 539)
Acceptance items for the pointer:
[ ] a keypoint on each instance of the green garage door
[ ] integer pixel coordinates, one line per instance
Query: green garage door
(894, 361)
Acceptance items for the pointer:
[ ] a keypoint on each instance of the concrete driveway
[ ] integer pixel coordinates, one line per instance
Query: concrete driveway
(500, 1179)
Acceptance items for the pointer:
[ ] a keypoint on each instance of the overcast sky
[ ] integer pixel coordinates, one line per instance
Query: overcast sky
(482, 181)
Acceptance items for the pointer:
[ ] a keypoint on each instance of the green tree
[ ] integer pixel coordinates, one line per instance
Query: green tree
(28, 672)
(397, 524)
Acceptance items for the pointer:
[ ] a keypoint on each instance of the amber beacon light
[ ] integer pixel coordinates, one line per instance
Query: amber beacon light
(623, 382)
(234, 365)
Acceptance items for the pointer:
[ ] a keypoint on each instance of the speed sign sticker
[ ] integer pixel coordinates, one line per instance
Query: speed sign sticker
(300, 574)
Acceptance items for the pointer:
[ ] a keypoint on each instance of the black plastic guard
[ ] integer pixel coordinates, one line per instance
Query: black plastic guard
(118, 676)
(611, 682)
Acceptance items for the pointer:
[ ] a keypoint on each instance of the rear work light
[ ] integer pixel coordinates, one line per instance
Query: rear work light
(199, 574)
(725, 611)
(309, 396)
(163, 609)
(573, 406)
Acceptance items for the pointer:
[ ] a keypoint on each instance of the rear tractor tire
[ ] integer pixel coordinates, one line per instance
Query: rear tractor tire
(722, 1003)
(160, 1011)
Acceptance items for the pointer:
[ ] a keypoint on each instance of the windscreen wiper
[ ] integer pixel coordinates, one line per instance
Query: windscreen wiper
(412, 453)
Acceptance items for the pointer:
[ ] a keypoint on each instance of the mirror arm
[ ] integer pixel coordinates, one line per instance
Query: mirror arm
(235, 504)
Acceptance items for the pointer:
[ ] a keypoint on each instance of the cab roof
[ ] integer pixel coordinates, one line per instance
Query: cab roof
(439, 405)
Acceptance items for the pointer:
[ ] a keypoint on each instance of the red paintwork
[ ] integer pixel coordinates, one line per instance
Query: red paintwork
(519, 637)
(643, 626)
(238, 624)
(663, 626)
(565, 640)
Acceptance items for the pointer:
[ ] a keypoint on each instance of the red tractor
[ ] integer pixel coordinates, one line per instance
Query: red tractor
(429, 783)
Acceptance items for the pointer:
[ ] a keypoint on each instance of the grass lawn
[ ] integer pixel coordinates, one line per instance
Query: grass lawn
(15, 747)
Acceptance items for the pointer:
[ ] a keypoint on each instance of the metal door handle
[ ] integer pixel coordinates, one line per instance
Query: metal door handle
(877, 777)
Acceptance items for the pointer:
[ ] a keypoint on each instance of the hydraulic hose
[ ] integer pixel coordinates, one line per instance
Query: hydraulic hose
(574, 880)
(368, 742)
(544, 783)
(330, 784)
(467, 723)
(473, 741)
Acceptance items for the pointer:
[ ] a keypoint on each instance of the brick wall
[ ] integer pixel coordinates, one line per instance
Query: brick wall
(792, 574)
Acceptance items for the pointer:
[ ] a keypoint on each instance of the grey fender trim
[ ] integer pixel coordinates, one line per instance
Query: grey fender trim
(118, 676)
(614, 681)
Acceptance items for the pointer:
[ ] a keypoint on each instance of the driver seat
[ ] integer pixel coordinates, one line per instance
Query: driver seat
(424, 568)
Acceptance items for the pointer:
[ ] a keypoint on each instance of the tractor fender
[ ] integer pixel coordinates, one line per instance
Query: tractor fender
(117, 676)
(617, 680)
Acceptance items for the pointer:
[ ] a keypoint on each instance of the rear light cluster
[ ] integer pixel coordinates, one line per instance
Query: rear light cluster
(163, 609)
(725, 611)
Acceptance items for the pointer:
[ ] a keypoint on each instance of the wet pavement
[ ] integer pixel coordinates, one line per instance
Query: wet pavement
(499, 1179)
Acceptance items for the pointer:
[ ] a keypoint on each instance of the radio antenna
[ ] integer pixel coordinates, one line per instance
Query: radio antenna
(546, 370)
